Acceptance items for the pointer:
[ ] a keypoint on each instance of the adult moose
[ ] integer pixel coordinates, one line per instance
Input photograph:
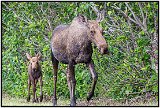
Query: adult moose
(71, 44)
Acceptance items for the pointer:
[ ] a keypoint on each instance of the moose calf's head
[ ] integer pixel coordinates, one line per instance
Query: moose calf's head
(34, 61)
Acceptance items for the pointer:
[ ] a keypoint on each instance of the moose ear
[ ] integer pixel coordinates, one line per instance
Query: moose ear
(28, 56)
(39, 55)
(82, 18)
(90, 25)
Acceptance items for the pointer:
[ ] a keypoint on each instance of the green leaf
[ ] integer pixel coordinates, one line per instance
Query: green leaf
(144, 68)
(121, 38)
(109, 12)
(155, 88)
(142, 32)
(143, 42)
(108, 3)
(32, 25)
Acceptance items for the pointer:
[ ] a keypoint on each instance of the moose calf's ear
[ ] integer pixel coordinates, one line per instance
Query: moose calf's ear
(39, 55)
(28, 56)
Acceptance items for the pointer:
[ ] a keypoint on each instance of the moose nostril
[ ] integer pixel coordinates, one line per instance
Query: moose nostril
(106, 51)
(34, 69)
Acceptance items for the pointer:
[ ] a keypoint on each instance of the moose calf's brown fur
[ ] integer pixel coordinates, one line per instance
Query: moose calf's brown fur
(71, 44)
(34, 73)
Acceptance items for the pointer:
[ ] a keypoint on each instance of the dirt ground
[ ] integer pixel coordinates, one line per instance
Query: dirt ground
(11, 101)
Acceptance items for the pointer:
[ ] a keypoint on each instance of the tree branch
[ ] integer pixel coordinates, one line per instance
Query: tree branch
(15, 14)
(46, 38)
(140, 6)
(143, 27)
(32, 43)
(124, 15)
(100, 14)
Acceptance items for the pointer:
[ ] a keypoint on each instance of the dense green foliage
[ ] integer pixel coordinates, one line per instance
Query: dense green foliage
(129, 71)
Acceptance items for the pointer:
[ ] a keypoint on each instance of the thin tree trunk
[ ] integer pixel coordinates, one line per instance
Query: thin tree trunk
(154, 47)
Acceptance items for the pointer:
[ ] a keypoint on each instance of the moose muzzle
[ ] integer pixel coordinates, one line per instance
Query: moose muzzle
(103, 49)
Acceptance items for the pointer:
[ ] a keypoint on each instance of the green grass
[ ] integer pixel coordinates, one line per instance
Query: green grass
(10, 101)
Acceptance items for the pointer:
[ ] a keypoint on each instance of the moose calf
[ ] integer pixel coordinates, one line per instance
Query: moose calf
(34, 73)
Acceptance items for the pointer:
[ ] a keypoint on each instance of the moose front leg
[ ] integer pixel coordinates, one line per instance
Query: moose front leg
(94, 77)
(41, 93)
(29, 86)
(71, 84)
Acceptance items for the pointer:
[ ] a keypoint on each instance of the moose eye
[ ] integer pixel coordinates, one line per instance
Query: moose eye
(103, 32)
(83, 20)
(92, 33)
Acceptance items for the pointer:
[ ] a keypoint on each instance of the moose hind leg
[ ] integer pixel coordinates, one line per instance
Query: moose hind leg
(55, 70)
(71, 84)
(94, 77)
(41, 93)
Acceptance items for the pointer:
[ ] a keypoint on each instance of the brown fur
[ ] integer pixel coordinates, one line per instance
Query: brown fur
(71, 44)
(34, 73)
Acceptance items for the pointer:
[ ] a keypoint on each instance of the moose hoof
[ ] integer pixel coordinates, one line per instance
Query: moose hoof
(41, 98)
(73, 102)
(37, 100)
(28, 99)
(90, 94)
(54, 102)
(34, 100)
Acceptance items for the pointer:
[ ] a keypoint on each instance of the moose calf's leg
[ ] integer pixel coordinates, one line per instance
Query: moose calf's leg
(29, 85)
(35, 81)
(34, 90)
(95, 77)
(71, 84)
(41, 93)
